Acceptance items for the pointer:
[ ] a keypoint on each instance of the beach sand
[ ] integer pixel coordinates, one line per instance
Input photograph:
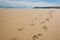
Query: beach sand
(28, 24)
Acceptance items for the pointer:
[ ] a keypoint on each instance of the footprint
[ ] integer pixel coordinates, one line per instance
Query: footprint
(43, 22)
(47, 20)
(50, 14)
(32, 20)
(45, 28)
(36, 18)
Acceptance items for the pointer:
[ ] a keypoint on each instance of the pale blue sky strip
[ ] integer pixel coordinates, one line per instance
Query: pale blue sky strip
(28, 3)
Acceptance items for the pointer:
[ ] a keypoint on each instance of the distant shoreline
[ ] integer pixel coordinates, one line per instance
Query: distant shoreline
(46, 7)
(30, 8)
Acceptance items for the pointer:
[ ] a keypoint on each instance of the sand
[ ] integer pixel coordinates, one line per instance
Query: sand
(28, 24)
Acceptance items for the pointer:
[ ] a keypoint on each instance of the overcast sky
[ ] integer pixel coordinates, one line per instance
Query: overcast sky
(29, 3)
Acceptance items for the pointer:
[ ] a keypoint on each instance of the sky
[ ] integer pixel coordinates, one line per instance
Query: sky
(29, 3)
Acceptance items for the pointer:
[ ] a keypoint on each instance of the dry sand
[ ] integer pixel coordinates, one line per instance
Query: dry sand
(42, 24)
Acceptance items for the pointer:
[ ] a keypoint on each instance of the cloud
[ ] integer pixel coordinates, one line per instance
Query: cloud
(8, 3)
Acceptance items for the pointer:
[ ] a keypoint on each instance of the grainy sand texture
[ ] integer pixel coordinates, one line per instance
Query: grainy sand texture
(29, 24)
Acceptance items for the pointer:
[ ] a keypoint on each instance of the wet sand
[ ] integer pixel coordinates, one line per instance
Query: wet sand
(42, 24)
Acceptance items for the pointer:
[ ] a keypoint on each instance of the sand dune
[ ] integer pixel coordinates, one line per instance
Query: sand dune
(42, 24)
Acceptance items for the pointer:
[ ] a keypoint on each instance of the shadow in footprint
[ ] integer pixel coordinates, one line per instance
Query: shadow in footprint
(14, 38)
(35, 37)
(20, 29)
(32, 24)
(39, 35)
